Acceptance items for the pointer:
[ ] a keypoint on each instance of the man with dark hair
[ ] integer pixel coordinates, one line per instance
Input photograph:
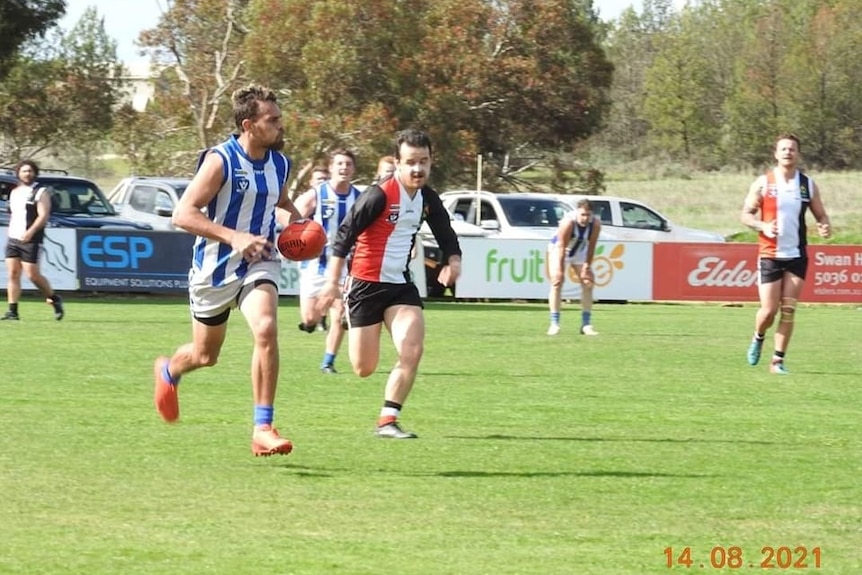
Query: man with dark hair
(572, 249)
(382, 227)
(29, 208)
(781, 197)
(231, 205)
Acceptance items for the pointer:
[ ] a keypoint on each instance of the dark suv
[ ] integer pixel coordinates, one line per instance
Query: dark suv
(75, 202)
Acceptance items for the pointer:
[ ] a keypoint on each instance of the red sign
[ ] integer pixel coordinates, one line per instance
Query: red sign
(728, 272)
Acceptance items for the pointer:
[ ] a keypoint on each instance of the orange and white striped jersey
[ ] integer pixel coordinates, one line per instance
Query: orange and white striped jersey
(786, 202)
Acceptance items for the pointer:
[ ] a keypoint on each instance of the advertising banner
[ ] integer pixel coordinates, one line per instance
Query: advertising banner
(516, 269)
(728, 272)
(119, 260)
(834, 274)
(57, 260)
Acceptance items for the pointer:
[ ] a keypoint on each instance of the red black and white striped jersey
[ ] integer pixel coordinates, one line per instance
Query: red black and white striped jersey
(381, 228)
(786, 202)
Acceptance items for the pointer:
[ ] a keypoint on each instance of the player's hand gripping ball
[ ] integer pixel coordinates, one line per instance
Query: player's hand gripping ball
(302, 240)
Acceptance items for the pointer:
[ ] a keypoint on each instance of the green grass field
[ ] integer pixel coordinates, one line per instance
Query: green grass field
(537, 455)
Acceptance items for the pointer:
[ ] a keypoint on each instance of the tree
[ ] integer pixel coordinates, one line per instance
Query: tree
(32, 107)
(60, 93)
(24, 20)
(92, 87)
(481, 77)
(630, 49)
(199, 41)
(677, 91)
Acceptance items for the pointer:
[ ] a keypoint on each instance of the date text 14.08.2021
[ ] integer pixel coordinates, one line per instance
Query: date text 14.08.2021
(733, 557)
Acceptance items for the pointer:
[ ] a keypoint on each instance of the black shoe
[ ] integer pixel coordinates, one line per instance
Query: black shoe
(58, 308)
(328, 369)
(10, 315)
(323, 326)
(307, 328)
(393, 431)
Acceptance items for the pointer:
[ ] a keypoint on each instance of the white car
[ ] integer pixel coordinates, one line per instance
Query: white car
(147, 199)
(624, 219)
(509, 215)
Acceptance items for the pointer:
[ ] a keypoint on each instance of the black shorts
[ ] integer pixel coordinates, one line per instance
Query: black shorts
(27, 251)
(366, 301)
(772, 270)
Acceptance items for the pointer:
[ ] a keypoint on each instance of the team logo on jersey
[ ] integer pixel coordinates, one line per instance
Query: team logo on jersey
(394, 209)
(803, 189)
(242, 184)
(327, 208)
(771, 191)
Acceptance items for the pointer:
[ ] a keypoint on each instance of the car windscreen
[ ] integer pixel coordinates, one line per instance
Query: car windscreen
(77, 198)
(533, 212)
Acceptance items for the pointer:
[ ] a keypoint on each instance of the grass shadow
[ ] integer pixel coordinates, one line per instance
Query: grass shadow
(532, 474)
(499, 437)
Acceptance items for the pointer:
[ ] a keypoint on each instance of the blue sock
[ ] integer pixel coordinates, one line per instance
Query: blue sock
(328, 359)
(168, 377)
(555, 317)
(263, 414)
(585, 317)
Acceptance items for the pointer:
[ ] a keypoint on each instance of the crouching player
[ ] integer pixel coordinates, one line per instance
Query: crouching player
(574, 246)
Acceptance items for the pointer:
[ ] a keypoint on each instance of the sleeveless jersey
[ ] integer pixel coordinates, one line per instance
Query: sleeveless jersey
(23, 207)
(245, 202)
(579, 241)
(329, 211)
(785, 202)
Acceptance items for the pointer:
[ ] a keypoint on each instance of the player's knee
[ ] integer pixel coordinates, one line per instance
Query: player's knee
(265, 330)
(769, 312)
(788, 313)
(411, 353)
(363, 369)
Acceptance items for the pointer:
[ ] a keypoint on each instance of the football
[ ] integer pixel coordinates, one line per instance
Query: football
(302, 240)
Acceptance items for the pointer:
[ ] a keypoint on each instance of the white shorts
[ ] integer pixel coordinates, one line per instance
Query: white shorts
(576, 260)
(312, 278)
(207, 300)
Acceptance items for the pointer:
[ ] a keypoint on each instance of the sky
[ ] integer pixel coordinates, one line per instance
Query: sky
(124, 19)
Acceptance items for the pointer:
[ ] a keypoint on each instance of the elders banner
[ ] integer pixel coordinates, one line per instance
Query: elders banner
(728, 272)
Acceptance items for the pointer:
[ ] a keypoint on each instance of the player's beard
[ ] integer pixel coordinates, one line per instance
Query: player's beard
(278, 144)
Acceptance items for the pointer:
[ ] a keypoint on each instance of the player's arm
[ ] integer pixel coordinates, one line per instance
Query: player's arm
(593, 241)
(565, 231)
(447, 239)
(751, 208)
(286, 209)
(441, 227)
(43, 211)
(824, 228)
(189, 216)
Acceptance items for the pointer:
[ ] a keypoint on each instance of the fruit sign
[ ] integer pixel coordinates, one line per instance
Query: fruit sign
(728, 272)
(516, 269)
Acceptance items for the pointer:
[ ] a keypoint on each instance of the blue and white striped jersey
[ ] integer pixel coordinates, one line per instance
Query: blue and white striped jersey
(576, 247)
(246, 202)
(330, 210)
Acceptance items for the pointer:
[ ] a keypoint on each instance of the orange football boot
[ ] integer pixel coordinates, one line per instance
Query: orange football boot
(266, 441)
(165, 394)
